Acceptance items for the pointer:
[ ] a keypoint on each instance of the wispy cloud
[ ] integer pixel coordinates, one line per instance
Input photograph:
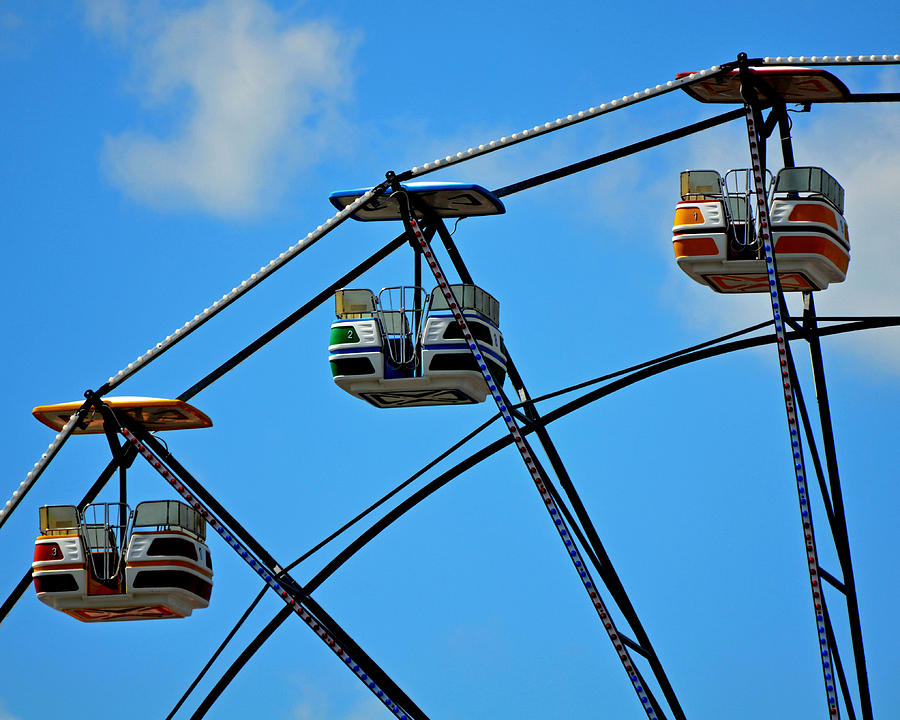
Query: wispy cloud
(4, 715)
(109, 17)
(316, 703)
(863, 147)
(11, 31)
(316, 711)
(257, 99)
(9, 21)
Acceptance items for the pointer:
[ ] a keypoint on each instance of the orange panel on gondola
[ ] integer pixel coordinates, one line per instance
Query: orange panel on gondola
(791, 84)
(152, 413)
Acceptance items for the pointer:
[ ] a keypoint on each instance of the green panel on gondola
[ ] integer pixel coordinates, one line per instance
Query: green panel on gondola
(343, 334)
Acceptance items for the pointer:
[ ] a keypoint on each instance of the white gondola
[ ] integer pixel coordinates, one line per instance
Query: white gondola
(399, 351)
(84, 567)
(715, 238)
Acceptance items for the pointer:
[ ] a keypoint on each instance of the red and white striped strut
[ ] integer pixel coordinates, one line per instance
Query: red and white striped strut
(790, 407)
(536, 475)
(265, 573)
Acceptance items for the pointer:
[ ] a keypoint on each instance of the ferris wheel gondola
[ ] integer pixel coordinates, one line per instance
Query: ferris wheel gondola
(403, 357)
(403, 347)
(716, 242)
(107, 563)
(90, 567)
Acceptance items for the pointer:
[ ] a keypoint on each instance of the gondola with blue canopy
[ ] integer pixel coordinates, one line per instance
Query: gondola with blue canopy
(444, 200)
(402, 347)
(375, 355)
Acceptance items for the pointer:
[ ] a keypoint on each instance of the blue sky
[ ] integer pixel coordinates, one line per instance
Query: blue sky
(156, 154)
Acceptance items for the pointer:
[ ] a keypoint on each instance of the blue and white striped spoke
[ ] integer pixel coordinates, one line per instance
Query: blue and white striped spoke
(265, 573)
(564, 534)
(793, 427)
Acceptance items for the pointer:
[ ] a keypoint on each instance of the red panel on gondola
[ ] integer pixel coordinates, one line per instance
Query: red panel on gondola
(791, 84)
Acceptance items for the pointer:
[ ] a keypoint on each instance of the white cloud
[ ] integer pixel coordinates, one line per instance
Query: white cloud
(10, 21)
(860, 146)
(4, 715)
(316, 711)
(12, 27)
(863, 147)
(109, 17)
(316, 704)
(259, 100)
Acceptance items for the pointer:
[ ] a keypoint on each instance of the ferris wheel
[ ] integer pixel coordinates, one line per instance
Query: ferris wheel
(435, 339)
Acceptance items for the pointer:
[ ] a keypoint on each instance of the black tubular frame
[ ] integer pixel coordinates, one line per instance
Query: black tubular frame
(619, 153)
(837, 520)
(584, 526)
(294, 589)
(548, 492)
(293, 318)
(621, 381)
(805, 329)
(832, 498)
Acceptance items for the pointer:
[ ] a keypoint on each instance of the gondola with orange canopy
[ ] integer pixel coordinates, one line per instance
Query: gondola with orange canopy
(105, 562)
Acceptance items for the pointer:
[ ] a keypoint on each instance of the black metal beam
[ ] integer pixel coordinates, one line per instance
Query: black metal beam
(832, 580)
(634, 646)
(239, 663)
(838, 664)
(864, 98)
(450, 246)
(784, 131)
(839, 524)
(635, 374)
(109, 429)
(295, 589)
(811, 445)
(597, 553)
(294, 317)
(215, 655)
(645, 372)
(417, 296)
(620, 153)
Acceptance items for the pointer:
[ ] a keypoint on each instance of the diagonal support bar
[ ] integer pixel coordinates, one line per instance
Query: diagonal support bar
(779, 309)
(837, 518)
(290, 592)
(619, 153)
(530, 419)
(294, 317)
(651, 708)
